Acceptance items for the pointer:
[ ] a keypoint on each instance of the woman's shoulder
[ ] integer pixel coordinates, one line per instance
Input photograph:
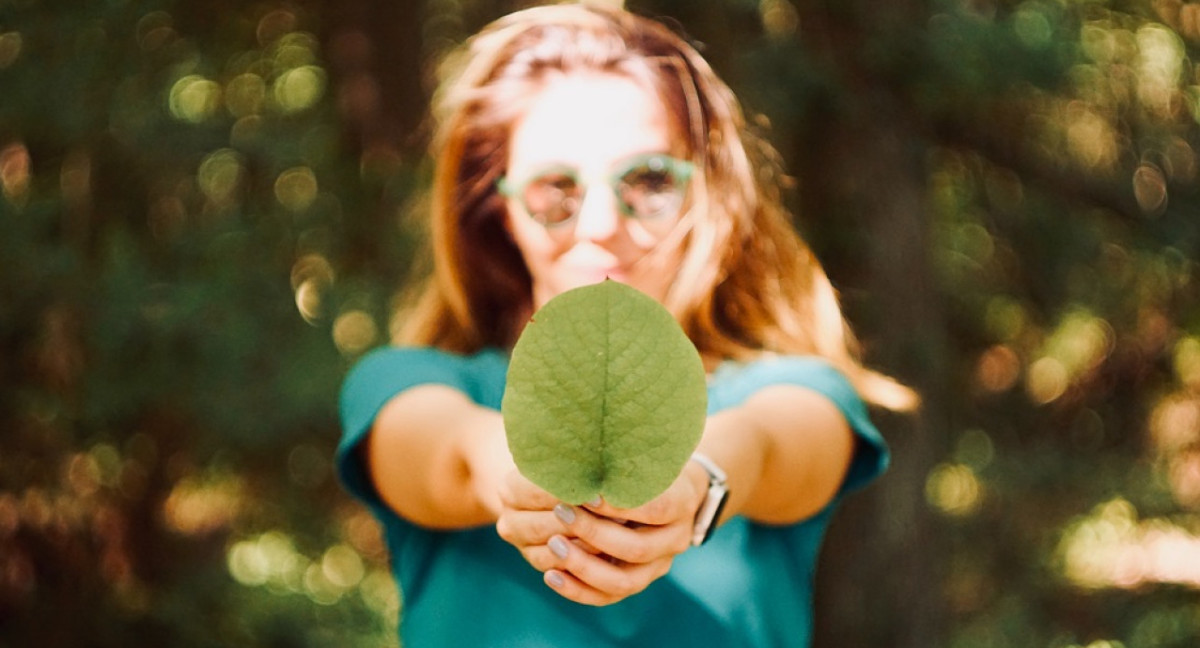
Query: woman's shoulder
(741, 378)
(419, 356)
(386, 371)
(390, 362)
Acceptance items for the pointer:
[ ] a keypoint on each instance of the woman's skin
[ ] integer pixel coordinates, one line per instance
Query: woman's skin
(785, 449)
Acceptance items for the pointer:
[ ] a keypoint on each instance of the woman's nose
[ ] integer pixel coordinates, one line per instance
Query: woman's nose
(599, 217)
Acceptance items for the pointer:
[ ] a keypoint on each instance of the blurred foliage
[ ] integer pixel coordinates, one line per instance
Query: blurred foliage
(204, 212)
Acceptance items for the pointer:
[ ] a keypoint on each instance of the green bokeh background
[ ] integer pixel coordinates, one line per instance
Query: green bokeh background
(209, 209)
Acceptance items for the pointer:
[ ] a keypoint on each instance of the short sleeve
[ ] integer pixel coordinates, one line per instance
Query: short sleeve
(871, 456)
(384, 374)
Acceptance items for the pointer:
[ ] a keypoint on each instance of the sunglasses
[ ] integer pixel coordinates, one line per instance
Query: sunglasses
(645, 186)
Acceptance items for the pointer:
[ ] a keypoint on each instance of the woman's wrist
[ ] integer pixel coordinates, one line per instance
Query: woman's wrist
(486, 459)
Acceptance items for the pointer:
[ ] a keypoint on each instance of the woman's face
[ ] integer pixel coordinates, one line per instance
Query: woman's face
(582, 135)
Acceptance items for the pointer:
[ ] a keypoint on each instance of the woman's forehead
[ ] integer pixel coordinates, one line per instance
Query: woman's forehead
(589, 119)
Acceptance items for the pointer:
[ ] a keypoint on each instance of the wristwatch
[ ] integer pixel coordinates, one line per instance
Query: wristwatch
(714, 500)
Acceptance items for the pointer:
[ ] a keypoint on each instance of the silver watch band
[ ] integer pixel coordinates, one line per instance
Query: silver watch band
(714, 499)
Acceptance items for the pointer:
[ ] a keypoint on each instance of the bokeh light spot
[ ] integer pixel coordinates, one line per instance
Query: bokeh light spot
(245, 95)
(194, 99)
(1032, 27)
(10, 48)
(379, 592)
(998, 369)
(354, 332)
(1150, 189)
(318, 587)
(155, 30)
(953, 489)
(1047, 380)
(15, 175)
(312, 275)
(308, 466)
(342, 566)
(1175, 423)
(1004, 318)
(296, 188)
(1090, 138)
(299, 88)
(1187, 361)
(199, 505)
(779, 18)
(1112, 548)
(220, 175)
(975, 449)
(274, 25)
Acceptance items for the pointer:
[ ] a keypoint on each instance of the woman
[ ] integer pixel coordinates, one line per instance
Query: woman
(577, 143)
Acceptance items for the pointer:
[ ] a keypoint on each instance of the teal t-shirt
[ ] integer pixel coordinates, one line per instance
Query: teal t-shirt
(749, 586)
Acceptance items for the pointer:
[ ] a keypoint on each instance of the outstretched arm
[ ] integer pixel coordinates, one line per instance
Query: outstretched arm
(438, 459)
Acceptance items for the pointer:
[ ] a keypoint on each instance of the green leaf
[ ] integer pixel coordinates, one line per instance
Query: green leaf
(606, 396)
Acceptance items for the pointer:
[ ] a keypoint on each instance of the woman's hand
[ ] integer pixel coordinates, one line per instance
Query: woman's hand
(597, 554)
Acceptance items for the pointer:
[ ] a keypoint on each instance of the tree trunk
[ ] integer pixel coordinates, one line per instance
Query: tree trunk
(862, 170)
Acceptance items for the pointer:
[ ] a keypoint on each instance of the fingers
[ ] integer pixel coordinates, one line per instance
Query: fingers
(593, 580)
(628, 542)
(524, 528)
(678, 503)
(596, 554)
(518, 493)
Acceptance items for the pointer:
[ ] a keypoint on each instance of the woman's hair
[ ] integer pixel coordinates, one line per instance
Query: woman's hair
(747, 283)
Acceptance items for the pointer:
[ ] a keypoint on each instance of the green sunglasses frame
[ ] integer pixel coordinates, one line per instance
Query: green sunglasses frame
(681, 169)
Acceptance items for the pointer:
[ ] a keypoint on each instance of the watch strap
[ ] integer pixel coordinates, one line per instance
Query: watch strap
(714, 500)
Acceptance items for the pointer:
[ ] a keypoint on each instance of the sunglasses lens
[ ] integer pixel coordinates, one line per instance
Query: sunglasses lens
(650, 190)
(553, 197)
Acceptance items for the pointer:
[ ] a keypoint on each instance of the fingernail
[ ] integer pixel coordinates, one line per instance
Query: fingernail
(596, 502)
(558, 547)
(564, 513)
(554, 579)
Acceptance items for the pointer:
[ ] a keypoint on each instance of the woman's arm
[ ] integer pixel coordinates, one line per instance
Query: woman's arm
(786, 451)
(437, 458)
